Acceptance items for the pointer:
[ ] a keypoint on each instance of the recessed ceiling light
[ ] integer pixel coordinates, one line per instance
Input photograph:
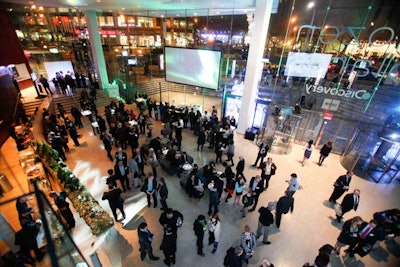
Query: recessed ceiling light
(123, 8)
(162, 16)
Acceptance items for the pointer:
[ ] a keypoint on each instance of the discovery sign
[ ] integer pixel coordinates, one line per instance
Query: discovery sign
(359, 94)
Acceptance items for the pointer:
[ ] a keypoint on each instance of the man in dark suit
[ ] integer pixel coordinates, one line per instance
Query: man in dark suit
(284, 204)
(140, 159)
(256, 188)
(368, 235)
(262, 152)
(341, 185)
(114, 199)
(121, 155)
(121, 173)
(107, 144)
(349, 202)
(240, 168)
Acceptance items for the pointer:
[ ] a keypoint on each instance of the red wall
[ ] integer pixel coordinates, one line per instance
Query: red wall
(11, 51)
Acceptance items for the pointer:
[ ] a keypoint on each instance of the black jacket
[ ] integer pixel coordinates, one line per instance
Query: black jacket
(259, 188)
(198, 228)
(170, 222)
(284, 204)
(240, 166)
(348, 203)
(266, 218)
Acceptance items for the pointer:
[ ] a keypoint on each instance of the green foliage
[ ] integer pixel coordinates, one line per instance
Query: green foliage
(89, 209)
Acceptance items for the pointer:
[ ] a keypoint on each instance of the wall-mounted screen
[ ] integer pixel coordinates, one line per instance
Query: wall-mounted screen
(132, 61)
(307, 65)
(195, 67)
(57, 66)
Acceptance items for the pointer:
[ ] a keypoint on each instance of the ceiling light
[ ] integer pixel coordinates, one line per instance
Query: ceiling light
(33, 7)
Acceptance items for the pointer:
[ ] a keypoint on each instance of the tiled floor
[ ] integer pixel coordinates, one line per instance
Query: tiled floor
(297, 241)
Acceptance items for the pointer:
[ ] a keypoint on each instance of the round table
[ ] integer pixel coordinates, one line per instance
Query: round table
(187, 167)
(86, 113)
(132, 123)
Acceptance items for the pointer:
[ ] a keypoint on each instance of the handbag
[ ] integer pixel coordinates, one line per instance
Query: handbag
(338, 209)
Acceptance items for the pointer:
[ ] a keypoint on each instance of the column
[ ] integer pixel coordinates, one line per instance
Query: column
(254, 65)
(97, 49)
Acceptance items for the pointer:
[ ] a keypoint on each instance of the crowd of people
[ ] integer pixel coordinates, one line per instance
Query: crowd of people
(121, 130)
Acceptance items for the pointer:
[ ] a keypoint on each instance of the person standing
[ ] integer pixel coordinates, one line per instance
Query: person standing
(369, 234)
(294, 184)
(140, 158)
(63, 207)
(145, 240)
(341, 185)
(349, 202)
(115, 201)
(268, 169)
(168, 246)
(234, 257)
(201, 139)
(324, 152)
(134, 170)
(214, 230)
(199, 228)
(214, 198)
(162, 193)
(262, 152)
(309, 147)
(45, 84)
(256, 188)
(121, 173)
(239, 185)
(72, 131)
(230, 151)
(111, 179)
(247, 201)
(285, 203)
(107, 141)
(153, 162)
(240, 167)
(265, 220)
(121, 155)
(26, 240)
(349, 234)
(149, 187)
(230, 181)
(248, 242)
(172, 219)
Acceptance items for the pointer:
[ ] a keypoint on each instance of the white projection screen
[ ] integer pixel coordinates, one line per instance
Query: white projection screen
(57, 66)
(195, 67)
(307, 65)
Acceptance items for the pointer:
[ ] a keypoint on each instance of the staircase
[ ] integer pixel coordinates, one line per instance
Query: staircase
(30, 107)
(69, 102)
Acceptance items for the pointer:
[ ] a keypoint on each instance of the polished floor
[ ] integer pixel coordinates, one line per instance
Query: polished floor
(297, 241)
